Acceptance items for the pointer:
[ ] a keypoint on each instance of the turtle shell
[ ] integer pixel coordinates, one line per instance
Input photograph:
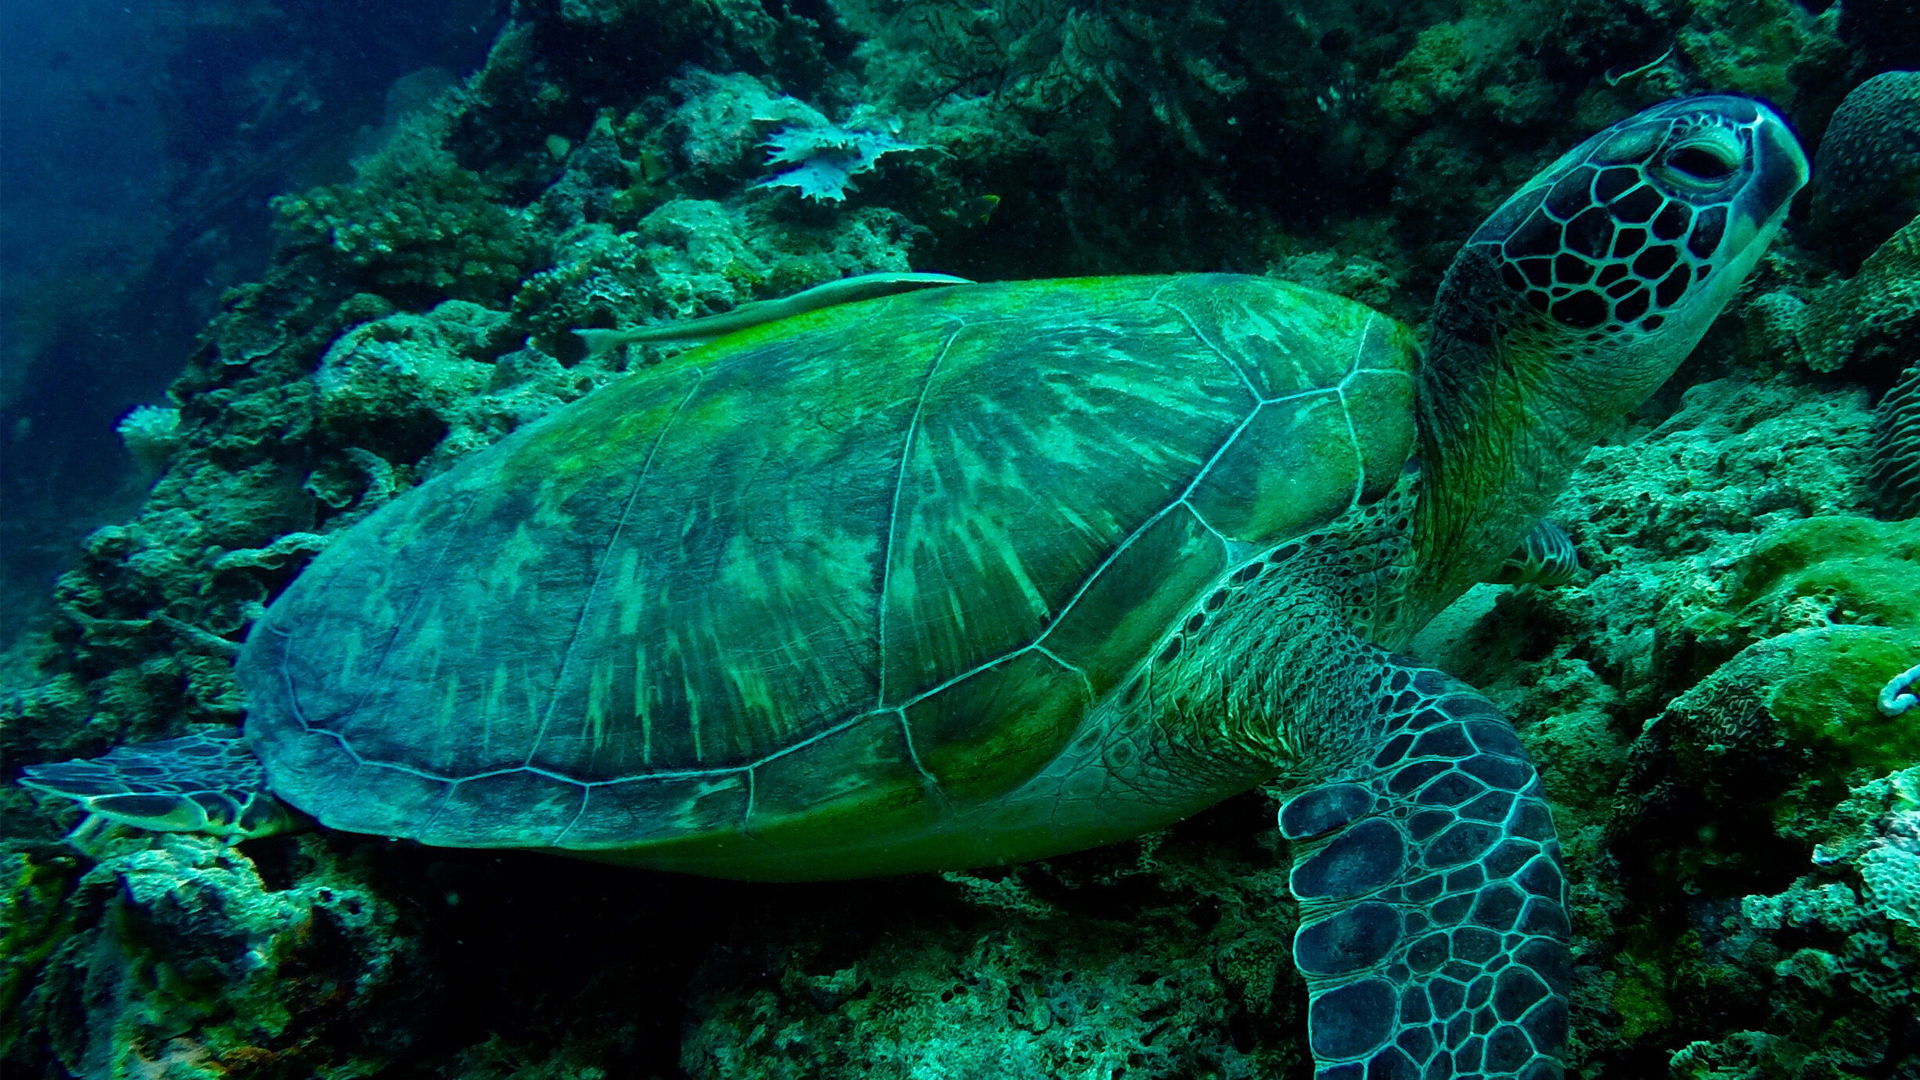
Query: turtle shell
(844, 575)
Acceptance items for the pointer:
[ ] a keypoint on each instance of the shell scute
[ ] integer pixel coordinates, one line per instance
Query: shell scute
(875, 774)
(614, 815)
(989, 731)
(1295, 463)
(1108, 402)
(1107, 629)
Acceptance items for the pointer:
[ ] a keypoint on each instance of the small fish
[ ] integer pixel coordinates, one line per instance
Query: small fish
(653, 167)
(760, 312)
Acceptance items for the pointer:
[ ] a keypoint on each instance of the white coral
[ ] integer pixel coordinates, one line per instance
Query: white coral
(1893, 877)
(150, 432)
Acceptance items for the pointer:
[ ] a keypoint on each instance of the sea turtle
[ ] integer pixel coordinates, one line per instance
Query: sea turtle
(989, 572)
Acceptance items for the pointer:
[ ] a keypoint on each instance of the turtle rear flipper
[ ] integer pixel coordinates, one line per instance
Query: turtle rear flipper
(208, 783)
(1432, 900)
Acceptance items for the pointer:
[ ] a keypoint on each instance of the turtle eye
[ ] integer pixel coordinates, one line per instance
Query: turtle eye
(1699, 164)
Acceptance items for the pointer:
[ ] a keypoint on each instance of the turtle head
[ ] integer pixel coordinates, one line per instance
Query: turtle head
(1578, 297)
(1606, 268)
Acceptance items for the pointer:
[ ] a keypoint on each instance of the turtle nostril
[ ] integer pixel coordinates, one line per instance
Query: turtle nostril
(1700, 163)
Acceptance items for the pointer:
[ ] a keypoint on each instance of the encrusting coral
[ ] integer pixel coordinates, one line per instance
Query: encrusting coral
(1871, 319)
(183, 962)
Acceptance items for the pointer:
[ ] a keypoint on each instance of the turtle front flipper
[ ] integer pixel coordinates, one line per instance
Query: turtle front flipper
(1545, 557)
(209, 783)
(1434, 925)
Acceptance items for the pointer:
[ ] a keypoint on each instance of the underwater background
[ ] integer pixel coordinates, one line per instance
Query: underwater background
(264, 266)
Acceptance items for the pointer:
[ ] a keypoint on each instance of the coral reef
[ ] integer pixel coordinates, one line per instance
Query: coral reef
(176, 959)
(1763, 747)
(1737, 813)
(1829, 960)
(413, 222)
(1771, 49)
(1060, 970)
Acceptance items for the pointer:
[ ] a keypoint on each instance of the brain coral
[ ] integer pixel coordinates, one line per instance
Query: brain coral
(1867, 171)
(1895, 479)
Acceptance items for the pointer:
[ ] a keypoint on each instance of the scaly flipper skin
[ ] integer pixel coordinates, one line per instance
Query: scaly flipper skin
(1434, 932)
(209, 783)
(1545, 557)
(1434, 926)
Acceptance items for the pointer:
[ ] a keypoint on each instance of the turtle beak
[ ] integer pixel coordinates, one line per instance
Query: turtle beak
(1779, 169)
(1777, 172)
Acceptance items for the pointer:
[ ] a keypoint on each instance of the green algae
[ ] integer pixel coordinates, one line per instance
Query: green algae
(35, 919)
(1828, 702)
(1853, 569)
(1854, 585)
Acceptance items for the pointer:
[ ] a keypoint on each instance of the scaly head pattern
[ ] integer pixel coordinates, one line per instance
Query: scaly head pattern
(1628, 230)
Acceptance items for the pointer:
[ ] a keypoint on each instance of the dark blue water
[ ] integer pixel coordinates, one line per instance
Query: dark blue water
(139, 144)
